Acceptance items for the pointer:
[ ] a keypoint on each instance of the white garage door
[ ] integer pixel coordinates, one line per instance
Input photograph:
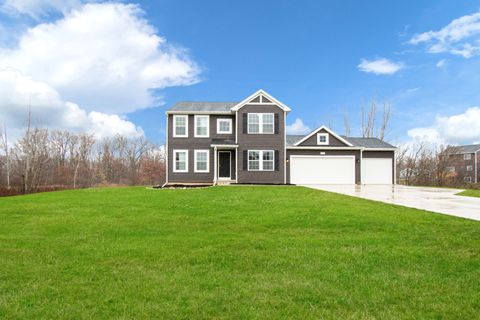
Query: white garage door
(322, 169)
(376, 171)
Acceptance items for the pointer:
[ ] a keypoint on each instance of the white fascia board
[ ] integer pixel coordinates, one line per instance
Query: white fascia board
(261, 92)
(329, 131)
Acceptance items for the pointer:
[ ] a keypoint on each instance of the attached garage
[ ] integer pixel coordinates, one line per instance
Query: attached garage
(377, 170)
(310, 169)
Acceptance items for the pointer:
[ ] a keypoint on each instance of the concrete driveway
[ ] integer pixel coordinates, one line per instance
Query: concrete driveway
(437, 200)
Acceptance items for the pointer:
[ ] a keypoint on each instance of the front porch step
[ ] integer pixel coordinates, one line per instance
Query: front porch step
(224, 182)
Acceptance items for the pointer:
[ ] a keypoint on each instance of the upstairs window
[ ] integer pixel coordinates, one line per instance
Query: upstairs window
(469, 168)
(224, 126)
(180, 126)
(261, 123)
(322, 138)
(202, 126)
(467, 156)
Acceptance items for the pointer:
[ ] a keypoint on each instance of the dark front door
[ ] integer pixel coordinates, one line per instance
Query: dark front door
(224, 164)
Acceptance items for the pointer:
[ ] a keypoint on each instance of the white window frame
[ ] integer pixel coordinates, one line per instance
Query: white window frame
(260, 123)
(175, 160)
(467, 156)
(195, 161)
(224, 120)
(197, 116)
(467, 179)
(260, 160)
(327, 139)
(469, 168)
(175, 135)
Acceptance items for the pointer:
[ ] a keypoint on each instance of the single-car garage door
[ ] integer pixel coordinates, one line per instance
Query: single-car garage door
(377, 171)
(322, 169)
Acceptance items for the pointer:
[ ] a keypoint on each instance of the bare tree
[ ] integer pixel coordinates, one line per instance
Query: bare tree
(385, 121)
(5, 146)
(346, 124)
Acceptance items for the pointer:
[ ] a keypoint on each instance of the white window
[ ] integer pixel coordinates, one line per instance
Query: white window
(201, 161)
(467, 156)
(322, 138)
(263, 123)
(202, 126)
(261, 160)
(467, 179)
(469, 168)
(181, 160)
(224, 126)
(450, 169)
(180, 126)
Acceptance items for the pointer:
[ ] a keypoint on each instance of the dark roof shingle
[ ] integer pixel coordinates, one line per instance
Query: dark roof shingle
(187, 106)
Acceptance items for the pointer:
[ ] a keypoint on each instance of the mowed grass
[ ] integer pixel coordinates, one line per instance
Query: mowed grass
(470, 193)
(232, 252)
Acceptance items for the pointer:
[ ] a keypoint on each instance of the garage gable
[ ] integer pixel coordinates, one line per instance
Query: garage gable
(323, 136)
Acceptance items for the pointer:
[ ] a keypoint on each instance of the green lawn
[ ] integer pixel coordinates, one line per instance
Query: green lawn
(232, 252)
(470, 193)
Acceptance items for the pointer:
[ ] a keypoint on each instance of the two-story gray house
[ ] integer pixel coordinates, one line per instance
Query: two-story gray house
(246, 142)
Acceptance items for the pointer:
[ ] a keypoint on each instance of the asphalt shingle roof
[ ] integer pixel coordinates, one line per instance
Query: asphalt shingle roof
(356, 141)
(202, 106)
(471, 148)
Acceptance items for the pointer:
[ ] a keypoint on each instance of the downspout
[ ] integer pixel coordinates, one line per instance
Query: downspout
(361, 165)
(476, 169)
(284, 147)
(166, 154)
(394, 167)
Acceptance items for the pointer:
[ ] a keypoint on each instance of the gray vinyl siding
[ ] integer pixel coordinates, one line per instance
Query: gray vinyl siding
(332, 141)
(191, 143)
(382, 154)
(275, 142)
(319, 153)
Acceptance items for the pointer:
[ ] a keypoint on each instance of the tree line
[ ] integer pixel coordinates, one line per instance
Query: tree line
(43, 160)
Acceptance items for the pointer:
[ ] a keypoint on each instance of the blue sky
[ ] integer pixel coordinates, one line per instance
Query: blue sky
(305, 53)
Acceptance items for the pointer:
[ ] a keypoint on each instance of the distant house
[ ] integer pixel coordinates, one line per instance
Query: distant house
(464, 162)
(246, 142)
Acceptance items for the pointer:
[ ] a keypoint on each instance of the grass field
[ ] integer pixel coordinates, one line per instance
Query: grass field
(470, 193)
(232, 252)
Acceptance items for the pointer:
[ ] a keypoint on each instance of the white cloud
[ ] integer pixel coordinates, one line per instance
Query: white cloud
(441, 63)
(461, 128)
(104, 56)
(298, 127)
(380, 66)
(48, 109)
(38, 8)
(459, 37)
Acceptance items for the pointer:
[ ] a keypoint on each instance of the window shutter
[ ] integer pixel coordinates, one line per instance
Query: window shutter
(276, 123)
(245, 123)
(245, 160)
(277, 161)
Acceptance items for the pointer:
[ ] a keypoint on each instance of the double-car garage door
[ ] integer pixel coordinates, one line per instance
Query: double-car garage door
(338, 170)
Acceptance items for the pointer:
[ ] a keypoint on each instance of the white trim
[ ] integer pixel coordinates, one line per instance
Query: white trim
(229, 120)
(175, 135)
(468, 166)
(465, 156)
(166, 154)
(175, 151)
(380, 149)
(195, 160)
(260, 122)
(476, 169)
(254, 95)
(326, 135)
(327, 148)
(231, 146)
(198, 116)
(284, 148)
(260, 160)
(329, 131)
(229, 162)
(199, 112)
(215, 166)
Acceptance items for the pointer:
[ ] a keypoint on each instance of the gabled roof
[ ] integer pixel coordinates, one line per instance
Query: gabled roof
(265, 94)
(471, 148)
(369, 143)
(210, 107)
(329, 131)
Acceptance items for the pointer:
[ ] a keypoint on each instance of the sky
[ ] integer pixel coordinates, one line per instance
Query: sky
(112, 67)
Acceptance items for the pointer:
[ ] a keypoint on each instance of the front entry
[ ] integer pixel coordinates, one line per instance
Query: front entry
(224, 164)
